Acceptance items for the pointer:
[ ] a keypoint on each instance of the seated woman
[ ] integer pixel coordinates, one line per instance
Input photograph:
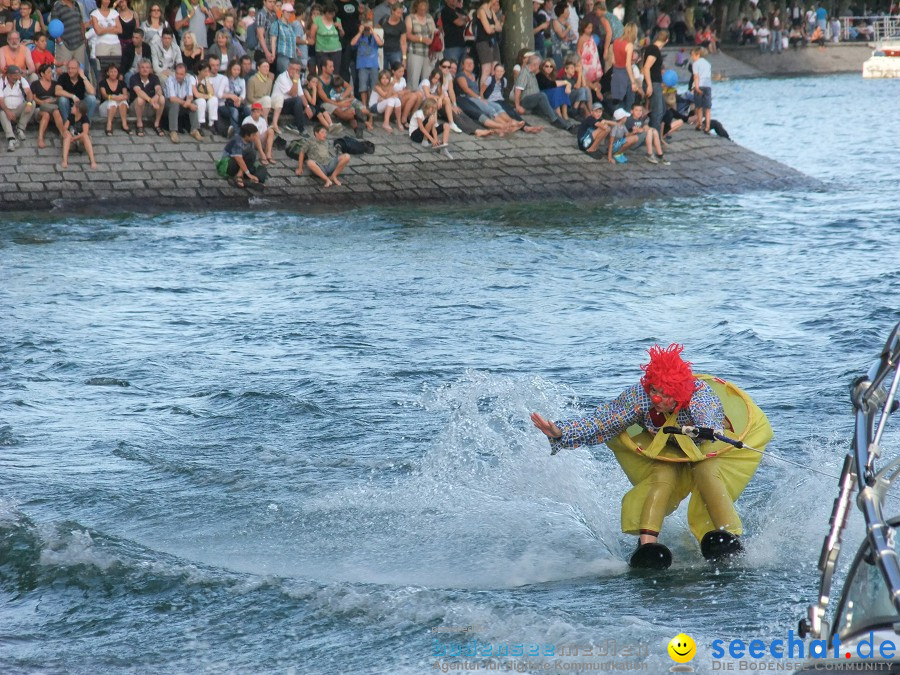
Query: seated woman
(205, 99)
(191, 53)
(425, 129)
(489, 114)
(259, 87)
(311, 94)
(557, 91)
(410, 99)
(114, 96)
(234, 105)
(384, 101)
(581, 96)
(225, 51)
(44, 90)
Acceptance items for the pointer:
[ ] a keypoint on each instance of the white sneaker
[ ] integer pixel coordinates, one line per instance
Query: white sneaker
(440, 146)
(455, 128)
(426, 143)
(21, 134)
(446, 153)
(11, 145)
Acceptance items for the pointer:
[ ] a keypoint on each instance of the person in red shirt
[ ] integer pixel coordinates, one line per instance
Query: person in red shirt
(40, 55)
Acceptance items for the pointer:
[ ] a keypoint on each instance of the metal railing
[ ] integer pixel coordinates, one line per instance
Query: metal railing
(881, 26)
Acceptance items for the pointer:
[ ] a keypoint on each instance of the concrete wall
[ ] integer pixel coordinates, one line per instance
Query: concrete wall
(150, 173)
(810, 60)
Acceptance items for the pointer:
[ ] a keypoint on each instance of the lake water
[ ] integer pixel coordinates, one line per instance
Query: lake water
(269, 442)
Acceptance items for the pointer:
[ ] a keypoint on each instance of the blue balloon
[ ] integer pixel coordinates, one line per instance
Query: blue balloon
(670, 78)
(55, 28)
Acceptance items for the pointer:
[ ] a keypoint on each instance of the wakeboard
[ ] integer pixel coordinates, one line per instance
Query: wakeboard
(653, 556)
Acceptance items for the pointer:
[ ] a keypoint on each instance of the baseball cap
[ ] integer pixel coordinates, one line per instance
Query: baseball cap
(287, 7)
(597, 106)
(13, 70)
(620, 114)
(257, 105)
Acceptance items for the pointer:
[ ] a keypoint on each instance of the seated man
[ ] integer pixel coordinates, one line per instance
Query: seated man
(528, 97)
(17, 54)
(180, 101)
(340, 109)
(16, 105)
(147, 95)
(321, 158)
(287, 94)
(134, 52)
(166, 55)
(239, 158)
(73, 86)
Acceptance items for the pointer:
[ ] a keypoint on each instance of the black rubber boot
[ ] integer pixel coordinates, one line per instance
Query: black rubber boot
(653, 556)
(720, 545)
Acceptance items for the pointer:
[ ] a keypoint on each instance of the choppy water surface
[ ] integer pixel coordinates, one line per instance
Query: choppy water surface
(278, 443)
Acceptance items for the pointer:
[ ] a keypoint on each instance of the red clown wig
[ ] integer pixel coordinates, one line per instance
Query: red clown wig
(669, 373)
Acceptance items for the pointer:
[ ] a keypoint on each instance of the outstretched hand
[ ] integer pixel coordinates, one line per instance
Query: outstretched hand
(548, 428)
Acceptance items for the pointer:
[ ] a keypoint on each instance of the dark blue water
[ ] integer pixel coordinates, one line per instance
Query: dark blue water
(277, 443)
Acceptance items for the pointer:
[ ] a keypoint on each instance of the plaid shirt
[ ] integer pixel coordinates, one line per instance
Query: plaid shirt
(633, 406)
(286, 43)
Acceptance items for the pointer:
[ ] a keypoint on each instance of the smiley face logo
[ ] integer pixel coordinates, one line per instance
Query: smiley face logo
(682, 648)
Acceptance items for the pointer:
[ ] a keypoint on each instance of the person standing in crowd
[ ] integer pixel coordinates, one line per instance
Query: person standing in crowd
(623, 85)
(325, 35)
(454, 21)
(702, 87)
(488, 31)
(652, 70)
(394, 28)
(366, 42)
(192, 17)
(351, 13)
(420, 29)
(105, 22)
(283, 39)
(265, 17)
(71, 45)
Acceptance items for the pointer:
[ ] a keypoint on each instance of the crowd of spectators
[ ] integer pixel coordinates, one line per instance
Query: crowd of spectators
(208, 68)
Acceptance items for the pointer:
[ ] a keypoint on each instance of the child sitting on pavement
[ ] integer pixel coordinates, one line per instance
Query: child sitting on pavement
(321, 158)
(618, 140)
(424, 128)
(638, 125)
(593, 130)
(78, 133)
(343, 91)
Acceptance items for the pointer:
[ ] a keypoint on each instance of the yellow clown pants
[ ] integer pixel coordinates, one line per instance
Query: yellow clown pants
(659, 487)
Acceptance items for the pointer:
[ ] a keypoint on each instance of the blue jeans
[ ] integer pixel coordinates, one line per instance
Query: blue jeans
(233, 114)
(455, 54)
(65, 106)
(390, 58)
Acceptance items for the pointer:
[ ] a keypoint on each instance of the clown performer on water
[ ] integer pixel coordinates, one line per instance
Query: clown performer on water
(665, 467)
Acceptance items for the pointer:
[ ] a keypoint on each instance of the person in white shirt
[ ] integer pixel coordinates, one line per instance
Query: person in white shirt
(107, 27)
(265, 139)
(180, 99)
(287, 92)
(702, 87)
(16, 105)
(166, 55)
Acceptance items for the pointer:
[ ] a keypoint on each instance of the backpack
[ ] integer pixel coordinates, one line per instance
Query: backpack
(353, 146)
(437, 42)
(294, 148)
